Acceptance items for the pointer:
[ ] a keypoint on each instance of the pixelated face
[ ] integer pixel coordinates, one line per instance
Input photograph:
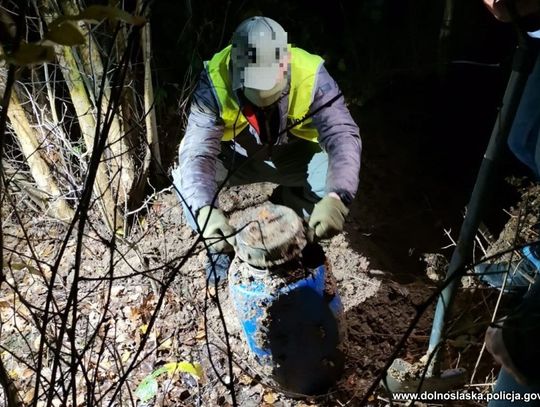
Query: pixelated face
(259, 55)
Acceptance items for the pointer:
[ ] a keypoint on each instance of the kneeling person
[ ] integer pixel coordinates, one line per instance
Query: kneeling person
(264, 111)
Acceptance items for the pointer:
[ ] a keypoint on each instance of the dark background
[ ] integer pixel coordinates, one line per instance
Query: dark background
(425, 106)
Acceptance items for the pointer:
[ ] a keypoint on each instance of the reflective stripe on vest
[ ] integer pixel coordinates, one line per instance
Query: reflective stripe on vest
(304, 67)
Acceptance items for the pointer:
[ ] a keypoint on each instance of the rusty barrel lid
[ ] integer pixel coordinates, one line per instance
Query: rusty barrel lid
(269, 235)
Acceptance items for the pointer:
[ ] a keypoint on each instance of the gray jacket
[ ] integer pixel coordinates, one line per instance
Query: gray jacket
(338, 136)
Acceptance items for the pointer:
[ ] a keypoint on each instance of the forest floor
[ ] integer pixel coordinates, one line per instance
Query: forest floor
(396, 239)
(378, 310)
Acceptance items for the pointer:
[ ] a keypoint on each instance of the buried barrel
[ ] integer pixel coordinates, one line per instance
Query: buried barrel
(286, 300)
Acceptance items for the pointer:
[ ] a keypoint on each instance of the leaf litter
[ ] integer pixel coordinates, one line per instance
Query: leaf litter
(174, 367)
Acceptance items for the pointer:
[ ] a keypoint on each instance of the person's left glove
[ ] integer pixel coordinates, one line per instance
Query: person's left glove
(218, 232)
(328, 217)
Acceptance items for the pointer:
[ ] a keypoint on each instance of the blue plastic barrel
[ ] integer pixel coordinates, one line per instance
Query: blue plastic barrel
(291, 322)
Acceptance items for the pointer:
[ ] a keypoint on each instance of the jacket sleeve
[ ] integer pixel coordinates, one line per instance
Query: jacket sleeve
(195, 176)
(339, 136)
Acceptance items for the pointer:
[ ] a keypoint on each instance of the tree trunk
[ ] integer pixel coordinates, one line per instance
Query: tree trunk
(84, 108)
(38, 167)
(122, 167)
(151, 152)
(87, 123)
(149, 100)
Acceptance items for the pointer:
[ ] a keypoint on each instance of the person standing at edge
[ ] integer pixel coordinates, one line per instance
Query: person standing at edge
(513, 340)
(267, 112)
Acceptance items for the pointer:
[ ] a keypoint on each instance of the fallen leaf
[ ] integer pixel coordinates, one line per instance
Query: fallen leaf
(194, 369)
(200, 334)
(22, 266)
(270, 398)
(147, 389)
(28, 396)
(132, 312)
(149, 386)
(47, 251)
(167, 344)
(125, 356)
(26, 373)
(244, 379)
(6, 302)
(105, 364)
(36, 342)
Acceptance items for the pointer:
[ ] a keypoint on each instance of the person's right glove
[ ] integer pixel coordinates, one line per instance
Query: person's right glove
(328, 217)
(219, 234)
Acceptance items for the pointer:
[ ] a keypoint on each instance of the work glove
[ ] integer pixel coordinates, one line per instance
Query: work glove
(218, 233)
(328, 217)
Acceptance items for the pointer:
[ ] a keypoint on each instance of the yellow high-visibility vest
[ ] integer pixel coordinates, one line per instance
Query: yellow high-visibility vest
(304, 68)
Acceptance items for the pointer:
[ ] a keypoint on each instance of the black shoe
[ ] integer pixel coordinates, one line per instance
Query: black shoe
(217, 267)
